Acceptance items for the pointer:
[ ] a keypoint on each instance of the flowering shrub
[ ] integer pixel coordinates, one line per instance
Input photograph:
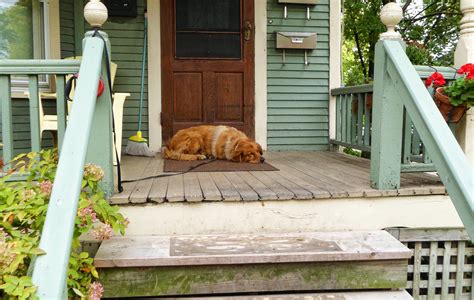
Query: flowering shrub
(23, 208)
(461, 91)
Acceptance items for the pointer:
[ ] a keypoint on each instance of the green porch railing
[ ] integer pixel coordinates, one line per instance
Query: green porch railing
(397, 86)
(87, 137)
(354, 127)
(33, 69)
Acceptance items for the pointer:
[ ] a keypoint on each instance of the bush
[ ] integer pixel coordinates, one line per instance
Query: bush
(23, 207)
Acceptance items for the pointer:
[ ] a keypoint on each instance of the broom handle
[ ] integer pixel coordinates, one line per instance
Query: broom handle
(143, 72)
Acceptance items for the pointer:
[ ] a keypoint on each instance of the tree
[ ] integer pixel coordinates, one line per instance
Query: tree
(429, 27)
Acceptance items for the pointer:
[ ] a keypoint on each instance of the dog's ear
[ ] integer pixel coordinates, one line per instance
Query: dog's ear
(260, 149)
(237, 154)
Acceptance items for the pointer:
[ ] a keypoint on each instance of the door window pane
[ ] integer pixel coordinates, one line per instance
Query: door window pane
(204, 45)
(208, 29)
(16, 29)
(208, 15)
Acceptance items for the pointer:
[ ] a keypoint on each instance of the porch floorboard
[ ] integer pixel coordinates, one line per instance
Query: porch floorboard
(302, 175)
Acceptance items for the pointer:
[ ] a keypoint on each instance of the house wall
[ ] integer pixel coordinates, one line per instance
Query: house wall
(298, 95)
(126, 39)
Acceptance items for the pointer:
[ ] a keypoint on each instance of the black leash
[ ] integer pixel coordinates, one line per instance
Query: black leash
(109, 80)
(172, 174)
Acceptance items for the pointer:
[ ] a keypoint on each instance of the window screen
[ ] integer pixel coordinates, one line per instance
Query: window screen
(208, 29)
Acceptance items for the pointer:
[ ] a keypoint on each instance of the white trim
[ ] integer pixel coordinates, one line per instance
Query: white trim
(154, 75)
(291, 215)
(261, 73)
(335, 34)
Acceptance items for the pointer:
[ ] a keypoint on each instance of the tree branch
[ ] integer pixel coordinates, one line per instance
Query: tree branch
(435, 14)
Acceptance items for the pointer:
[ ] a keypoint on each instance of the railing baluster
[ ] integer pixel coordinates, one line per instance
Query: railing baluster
(34, 113)
(348, 118)
(367, 123)
(343, 119)
(407, 139)
(338, 117)
(61, 109)
(7, 122)
(360, 116)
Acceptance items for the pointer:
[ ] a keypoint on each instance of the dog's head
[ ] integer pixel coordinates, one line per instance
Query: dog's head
(247, 150)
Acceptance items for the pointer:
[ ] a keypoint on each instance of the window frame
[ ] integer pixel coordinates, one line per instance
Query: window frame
(41, 47)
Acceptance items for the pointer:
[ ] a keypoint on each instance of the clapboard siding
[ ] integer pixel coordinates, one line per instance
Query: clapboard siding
(126, 39)
(297, 94)
(66, 17)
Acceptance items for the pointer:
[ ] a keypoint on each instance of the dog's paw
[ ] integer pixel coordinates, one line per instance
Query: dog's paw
(201, 157)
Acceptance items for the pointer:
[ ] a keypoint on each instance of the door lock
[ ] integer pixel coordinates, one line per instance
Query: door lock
(247, 31)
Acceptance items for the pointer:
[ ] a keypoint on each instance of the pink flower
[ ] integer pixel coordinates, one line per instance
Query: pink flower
(103, 232)
(94, 172)
(87, 211)
(27, 194)
(46, 187)
(95, 291)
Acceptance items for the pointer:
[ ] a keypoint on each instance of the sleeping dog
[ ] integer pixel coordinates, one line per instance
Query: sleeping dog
(220, 142)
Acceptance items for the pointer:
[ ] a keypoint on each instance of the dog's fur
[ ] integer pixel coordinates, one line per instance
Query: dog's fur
(207, 141)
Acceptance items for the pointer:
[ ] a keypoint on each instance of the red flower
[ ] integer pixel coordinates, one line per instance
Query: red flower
(466, 69)
(437, 79)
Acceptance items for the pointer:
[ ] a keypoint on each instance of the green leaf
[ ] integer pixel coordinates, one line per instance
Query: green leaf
(84, 255)
(78, 292)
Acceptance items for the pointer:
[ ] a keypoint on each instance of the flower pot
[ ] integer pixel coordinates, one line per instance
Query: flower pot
(450, 113)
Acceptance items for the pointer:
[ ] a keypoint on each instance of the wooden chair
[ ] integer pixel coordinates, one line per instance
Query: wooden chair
(50, 122)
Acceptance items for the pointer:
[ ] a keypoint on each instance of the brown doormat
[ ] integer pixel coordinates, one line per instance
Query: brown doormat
(214, 166)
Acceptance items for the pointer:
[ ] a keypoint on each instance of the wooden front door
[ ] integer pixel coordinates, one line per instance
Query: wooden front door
(207, 57)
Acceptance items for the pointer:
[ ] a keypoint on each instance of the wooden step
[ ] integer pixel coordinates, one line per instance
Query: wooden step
(137, 266)
(377, 295)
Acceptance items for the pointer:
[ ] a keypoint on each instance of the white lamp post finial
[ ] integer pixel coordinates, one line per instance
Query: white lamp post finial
(391, 14)
(95, 13)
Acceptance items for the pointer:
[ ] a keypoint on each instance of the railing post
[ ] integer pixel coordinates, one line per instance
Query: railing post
(465, 54)
(100, 148)
(387, 115)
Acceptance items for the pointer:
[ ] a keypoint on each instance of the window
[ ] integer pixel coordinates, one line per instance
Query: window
(208, 29)
(23, 33)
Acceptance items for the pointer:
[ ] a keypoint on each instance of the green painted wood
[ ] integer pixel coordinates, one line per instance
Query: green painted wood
(360, 118)
(7, 124)
(100, 149)
(300, 87)
(338, 117)
(407, 139)
(194, 280)
(38, 66)
(386, 127)
(50, 270)
(67, 36)
(407, 168)
(363, 88)
(453, 167)
(344, 118)
(61, 108)
(367, 122)
(34, 113)
(78, 26)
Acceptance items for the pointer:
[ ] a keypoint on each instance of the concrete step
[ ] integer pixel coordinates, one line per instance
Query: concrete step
(140, 266)
(376, 295)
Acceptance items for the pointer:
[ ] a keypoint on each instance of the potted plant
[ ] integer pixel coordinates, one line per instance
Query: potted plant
(455, 99)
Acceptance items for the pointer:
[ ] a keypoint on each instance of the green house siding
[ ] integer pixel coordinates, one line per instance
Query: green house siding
(67, 37)
(126, 39)
(298, 96)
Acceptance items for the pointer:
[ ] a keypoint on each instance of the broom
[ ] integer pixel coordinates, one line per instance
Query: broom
(136, 143)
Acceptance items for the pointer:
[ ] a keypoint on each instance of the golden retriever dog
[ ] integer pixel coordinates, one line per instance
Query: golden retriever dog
(220, 142)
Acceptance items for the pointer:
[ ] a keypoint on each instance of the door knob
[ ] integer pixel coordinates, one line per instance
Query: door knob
(247, 30)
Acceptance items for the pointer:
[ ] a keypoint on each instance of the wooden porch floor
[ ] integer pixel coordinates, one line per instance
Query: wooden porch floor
(302, 175)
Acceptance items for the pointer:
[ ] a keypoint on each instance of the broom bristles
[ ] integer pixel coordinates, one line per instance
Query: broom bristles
(138, 149)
